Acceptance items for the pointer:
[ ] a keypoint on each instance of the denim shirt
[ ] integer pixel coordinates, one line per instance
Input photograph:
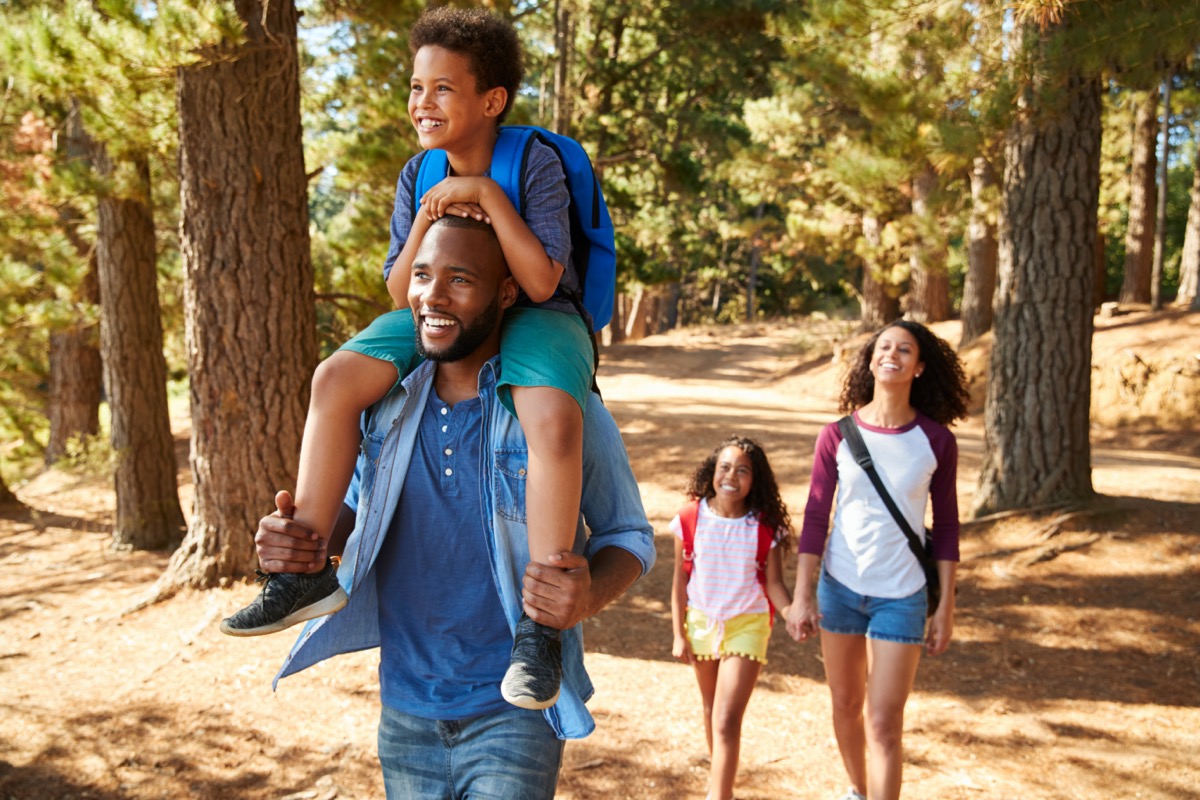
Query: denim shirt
(611, 504)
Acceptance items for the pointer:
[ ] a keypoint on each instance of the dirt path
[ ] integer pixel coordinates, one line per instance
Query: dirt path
(1073, 673)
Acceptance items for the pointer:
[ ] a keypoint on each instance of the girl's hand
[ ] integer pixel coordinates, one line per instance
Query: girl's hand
(681, 648)
(802, 618)
(941, 628)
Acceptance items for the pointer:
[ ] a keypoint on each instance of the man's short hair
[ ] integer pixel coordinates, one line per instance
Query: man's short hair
(470, 223)
(487, 41)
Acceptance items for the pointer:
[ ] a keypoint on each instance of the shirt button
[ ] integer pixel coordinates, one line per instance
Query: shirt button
(444, 429)
(449, 452)
(449, 471)
(445, 411)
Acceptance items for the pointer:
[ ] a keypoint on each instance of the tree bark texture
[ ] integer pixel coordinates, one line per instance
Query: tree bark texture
(1139, 237)
(1039, 389)
(1189, 264)
(76, 372)
(251, 324)
(929, 284)
(135, 372)
(879, 302)
(983, 252)
(76, 384)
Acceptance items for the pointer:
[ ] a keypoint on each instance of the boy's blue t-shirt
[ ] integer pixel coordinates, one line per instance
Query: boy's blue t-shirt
(546, 212)
(445, 641)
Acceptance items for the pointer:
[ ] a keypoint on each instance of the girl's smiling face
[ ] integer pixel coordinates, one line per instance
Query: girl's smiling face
(897, 356)
(732, 478)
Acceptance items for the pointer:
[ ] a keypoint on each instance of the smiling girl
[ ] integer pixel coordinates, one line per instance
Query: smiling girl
(903, 389)
(728, 582)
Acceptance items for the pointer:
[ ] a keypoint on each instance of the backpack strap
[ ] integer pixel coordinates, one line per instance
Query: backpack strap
(766, 535)
(858, 449)
(431, 169)
(689, 517)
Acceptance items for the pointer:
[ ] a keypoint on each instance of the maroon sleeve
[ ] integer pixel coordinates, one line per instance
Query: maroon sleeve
(943, 490)
(821, 491)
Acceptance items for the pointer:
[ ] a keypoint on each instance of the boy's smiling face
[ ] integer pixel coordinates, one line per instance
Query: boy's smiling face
(445, 105)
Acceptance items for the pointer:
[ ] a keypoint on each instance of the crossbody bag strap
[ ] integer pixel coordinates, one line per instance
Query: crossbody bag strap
(858, 449)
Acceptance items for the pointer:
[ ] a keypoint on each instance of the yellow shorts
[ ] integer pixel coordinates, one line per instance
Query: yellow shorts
(745, 635)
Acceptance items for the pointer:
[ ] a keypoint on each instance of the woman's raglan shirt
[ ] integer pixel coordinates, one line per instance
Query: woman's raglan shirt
(867, 551)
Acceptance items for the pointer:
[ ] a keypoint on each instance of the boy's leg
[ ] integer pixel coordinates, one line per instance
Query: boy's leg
(553, 424)
(343, 386)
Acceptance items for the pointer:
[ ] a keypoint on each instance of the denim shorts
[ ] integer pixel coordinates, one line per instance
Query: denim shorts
(512, 753)
(844, 610)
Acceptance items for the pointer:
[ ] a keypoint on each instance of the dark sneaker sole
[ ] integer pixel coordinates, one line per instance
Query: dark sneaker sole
(516, 694)
(326, 605)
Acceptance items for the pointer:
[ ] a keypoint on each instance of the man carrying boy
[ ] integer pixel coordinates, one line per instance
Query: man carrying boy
(466, 72)
(437, 567)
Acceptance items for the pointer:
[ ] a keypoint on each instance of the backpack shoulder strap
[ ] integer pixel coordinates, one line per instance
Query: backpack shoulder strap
(858, 449)
(510, 158)
(689, 517)
(432, 167)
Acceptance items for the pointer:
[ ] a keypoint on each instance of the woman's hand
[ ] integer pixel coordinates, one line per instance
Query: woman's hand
(941, 628)
(802, 618)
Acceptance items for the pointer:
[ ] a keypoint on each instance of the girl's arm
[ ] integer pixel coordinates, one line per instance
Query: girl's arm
(777, 591)
(941, 624)
(802, 617)
(680, 647)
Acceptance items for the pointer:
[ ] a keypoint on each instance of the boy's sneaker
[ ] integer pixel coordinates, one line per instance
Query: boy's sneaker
(288, 598)
(535, 669)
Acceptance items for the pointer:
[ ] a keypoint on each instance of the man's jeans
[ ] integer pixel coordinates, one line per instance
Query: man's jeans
(510, 754)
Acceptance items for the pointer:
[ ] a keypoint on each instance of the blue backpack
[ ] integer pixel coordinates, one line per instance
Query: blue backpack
(593, 247)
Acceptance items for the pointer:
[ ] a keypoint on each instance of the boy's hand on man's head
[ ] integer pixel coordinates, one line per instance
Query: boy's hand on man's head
(460, 196)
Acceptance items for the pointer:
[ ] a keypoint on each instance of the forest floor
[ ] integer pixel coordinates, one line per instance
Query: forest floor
(1073, 672)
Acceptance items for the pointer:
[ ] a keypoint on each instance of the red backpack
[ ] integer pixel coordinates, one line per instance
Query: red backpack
(688, 517)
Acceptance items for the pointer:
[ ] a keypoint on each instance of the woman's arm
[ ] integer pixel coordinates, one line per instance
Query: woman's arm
(802, 617)
(941, 624)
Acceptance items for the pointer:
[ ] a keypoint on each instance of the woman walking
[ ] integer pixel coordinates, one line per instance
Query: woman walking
(869, 600)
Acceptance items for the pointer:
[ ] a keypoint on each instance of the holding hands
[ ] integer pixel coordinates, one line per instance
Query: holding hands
(802, 618)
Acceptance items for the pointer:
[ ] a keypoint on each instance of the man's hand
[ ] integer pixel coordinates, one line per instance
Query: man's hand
(284, 545)
(558, 595)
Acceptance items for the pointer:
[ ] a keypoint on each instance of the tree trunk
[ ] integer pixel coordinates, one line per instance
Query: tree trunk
(135, 373)
(1139, 238)
(1189, 265)
(76, 372)
(879, 303)
(1164, 179)
(670, 319)
(564, 46)
(979, 288)
(929, 284)
(755, 256)
(1039, 388)
(248, 293)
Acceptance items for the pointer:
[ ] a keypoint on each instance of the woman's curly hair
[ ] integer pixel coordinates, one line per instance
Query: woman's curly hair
(940, 392)
(763, 501)
(488, 42)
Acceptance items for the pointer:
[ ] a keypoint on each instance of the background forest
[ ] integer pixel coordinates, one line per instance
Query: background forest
(194, 204)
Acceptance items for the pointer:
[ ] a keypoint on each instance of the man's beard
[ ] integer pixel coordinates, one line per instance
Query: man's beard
(470, 337)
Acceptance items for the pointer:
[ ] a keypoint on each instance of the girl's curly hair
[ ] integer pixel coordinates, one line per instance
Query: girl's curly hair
(487, 41)
(940, 392)
(763, 501)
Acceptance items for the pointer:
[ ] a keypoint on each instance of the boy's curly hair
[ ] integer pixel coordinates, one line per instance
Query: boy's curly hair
(763, 501)
(487, 41)
(940, 393)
